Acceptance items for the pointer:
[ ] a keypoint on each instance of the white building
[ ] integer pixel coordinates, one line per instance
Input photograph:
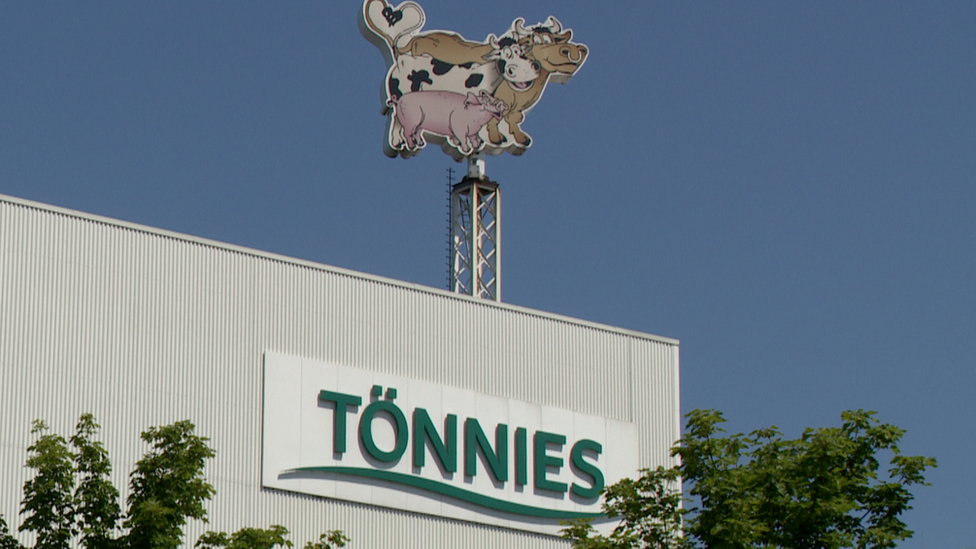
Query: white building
(268, 355)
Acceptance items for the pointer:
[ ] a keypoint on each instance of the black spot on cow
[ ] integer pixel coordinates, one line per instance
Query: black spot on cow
(466, 65)
(440, 67)
(417, 78)
(506, 41)
(473, 80)
(394, 88)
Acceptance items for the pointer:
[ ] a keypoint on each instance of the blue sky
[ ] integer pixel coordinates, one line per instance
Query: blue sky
(787, 188)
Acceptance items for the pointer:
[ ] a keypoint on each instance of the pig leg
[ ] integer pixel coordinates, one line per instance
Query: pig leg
(412, 118)
(459, 139)
(411, 133)
(475, 139)
(408, 136)
(462, 144)
(406, 127)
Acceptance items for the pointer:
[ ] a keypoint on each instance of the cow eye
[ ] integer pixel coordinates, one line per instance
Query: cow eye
(547, 39)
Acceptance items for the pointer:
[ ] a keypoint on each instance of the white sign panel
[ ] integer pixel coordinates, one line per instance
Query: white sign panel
(350, 434)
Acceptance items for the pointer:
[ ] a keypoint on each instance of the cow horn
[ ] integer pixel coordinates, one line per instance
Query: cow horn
(554, 25)
(518, 26)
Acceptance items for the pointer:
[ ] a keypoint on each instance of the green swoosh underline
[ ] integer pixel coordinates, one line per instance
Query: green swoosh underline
(450, 491)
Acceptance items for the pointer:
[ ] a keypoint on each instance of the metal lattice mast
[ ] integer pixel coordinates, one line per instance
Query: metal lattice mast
(476, 234)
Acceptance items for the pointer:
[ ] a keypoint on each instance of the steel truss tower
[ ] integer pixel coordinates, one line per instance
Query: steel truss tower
(476, 264)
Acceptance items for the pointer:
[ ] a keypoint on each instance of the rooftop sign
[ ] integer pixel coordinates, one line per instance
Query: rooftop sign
(467, 96)
(355, 435)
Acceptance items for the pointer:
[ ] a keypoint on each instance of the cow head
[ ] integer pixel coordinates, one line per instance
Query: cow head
(550, 46)
(510, 55)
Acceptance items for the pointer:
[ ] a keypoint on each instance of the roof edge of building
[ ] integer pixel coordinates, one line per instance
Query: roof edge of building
(323, 267)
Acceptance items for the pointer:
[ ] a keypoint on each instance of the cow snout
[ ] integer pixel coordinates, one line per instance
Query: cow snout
(568, 53)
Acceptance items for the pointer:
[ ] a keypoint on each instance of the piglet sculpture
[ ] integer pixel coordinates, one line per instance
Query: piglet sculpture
(455, 116)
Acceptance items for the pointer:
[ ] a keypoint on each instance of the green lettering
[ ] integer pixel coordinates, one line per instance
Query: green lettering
(424, 430)
(342, 402)
(366, 430)
(543, 461)
(587, 468)
(497, 459)
(521, 457)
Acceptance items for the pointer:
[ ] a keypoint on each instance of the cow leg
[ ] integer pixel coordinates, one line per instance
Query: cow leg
(515, 118)
(494, 135)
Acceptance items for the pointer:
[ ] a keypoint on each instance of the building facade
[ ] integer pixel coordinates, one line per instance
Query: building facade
(144, 327)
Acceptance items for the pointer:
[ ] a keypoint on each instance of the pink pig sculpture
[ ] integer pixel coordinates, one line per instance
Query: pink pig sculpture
(457, 117)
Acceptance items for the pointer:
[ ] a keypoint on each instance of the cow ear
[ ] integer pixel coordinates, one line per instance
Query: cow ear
(471, 99)
(496, 50)
(564, 37)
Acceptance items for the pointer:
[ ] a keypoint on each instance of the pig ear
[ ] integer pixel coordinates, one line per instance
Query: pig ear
(471, 99)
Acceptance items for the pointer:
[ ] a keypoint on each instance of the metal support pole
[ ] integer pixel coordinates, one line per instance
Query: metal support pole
(476, 234)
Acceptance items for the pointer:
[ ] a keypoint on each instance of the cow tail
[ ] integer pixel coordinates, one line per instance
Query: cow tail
(390, 40)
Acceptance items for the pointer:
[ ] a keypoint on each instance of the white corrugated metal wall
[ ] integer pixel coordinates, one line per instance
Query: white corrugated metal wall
(143, 327)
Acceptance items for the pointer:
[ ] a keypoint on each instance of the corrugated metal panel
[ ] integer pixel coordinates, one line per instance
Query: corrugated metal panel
(144, 327)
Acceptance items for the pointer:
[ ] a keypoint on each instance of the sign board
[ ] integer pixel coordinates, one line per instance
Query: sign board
(350, 434)
(468, 96)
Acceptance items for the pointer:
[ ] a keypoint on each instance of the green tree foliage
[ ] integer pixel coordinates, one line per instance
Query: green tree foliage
(71, 494)
(649, 510)
(820, 491)
(168, 486)
(246, 538)
(257, 538)
(329, 540)
(6, 540)
(96, 499)
(48, 501)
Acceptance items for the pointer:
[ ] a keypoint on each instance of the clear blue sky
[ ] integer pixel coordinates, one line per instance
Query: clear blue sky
(787, 188)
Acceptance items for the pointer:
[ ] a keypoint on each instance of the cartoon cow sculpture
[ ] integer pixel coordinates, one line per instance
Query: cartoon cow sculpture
(512, 70)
